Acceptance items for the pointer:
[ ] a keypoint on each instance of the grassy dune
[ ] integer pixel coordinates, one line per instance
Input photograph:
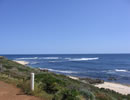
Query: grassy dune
(53, 86)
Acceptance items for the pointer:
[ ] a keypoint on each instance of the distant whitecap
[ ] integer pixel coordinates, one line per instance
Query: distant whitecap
(121, 70)
(81, 59)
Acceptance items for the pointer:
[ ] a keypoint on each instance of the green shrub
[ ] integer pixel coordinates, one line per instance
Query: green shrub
(49, 83)
(87, 94)
(25, 86)
(102, 96)
(67, 94)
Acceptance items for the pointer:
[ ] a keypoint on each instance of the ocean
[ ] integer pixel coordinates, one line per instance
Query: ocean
(108, 67)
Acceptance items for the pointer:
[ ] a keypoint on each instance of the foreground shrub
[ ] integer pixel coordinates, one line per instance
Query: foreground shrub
(67, 95)
(49, 83)
(102, 96)
(87, 94)
(25, 86)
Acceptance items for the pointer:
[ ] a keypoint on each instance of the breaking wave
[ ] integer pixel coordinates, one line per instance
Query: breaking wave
(33, 63)
(40, 58)
(81, 59)
(116, 71)
(121, 70)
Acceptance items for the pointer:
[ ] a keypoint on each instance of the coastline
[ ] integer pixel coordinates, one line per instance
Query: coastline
(117, 87)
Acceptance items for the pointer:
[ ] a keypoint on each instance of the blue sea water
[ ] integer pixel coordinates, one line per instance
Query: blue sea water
(100, 66)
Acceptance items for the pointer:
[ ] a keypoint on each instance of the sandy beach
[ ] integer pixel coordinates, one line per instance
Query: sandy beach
(122, 89)
(22, 62)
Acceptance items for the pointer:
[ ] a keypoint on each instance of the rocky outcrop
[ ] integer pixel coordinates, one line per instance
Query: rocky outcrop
(92, 81)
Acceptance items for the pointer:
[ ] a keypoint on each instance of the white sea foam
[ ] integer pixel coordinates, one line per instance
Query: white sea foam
(33, 63)
(110, 72)
(60, 71)
(81, 59)
(121, 70)
(40, 58)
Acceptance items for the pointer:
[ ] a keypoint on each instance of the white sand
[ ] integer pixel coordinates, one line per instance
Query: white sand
(122, 89)
(22, 62)
(74, 78)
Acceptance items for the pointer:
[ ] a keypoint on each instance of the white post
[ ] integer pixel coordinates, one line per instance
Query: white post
(32, 81)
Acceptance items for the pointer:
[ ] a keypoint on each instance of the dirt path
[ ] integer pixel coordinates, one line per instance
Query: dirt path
(10, 92)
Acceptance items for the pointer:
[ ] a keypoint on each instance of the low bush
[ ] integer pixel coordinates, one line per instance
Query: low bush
(67, 94)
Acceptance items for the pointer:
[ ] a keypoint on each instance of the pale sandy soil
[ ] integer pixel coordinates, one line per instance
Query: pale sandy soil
(10, 92)
(22, 62)
(74, 78)
(122, 89)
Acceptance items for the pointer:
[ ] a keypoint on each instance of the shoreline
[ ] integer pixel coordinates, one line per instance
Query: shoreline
(117, 87)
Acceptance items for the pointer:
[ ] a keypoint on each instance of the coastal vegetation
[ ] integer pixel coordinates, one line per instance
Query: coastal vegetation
(52, 86)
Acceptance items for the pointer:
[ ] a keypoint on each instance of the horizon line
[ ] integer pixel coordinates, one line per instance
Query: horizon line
(62, 53)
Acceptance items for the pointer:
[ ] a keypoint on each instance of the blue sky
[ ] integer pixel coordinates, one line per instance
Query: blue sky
(64, 26)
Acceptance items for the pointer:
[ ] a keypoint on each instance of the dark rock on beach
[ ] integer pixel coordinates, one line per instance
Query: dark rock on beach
(44, 70)
(92, 81)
